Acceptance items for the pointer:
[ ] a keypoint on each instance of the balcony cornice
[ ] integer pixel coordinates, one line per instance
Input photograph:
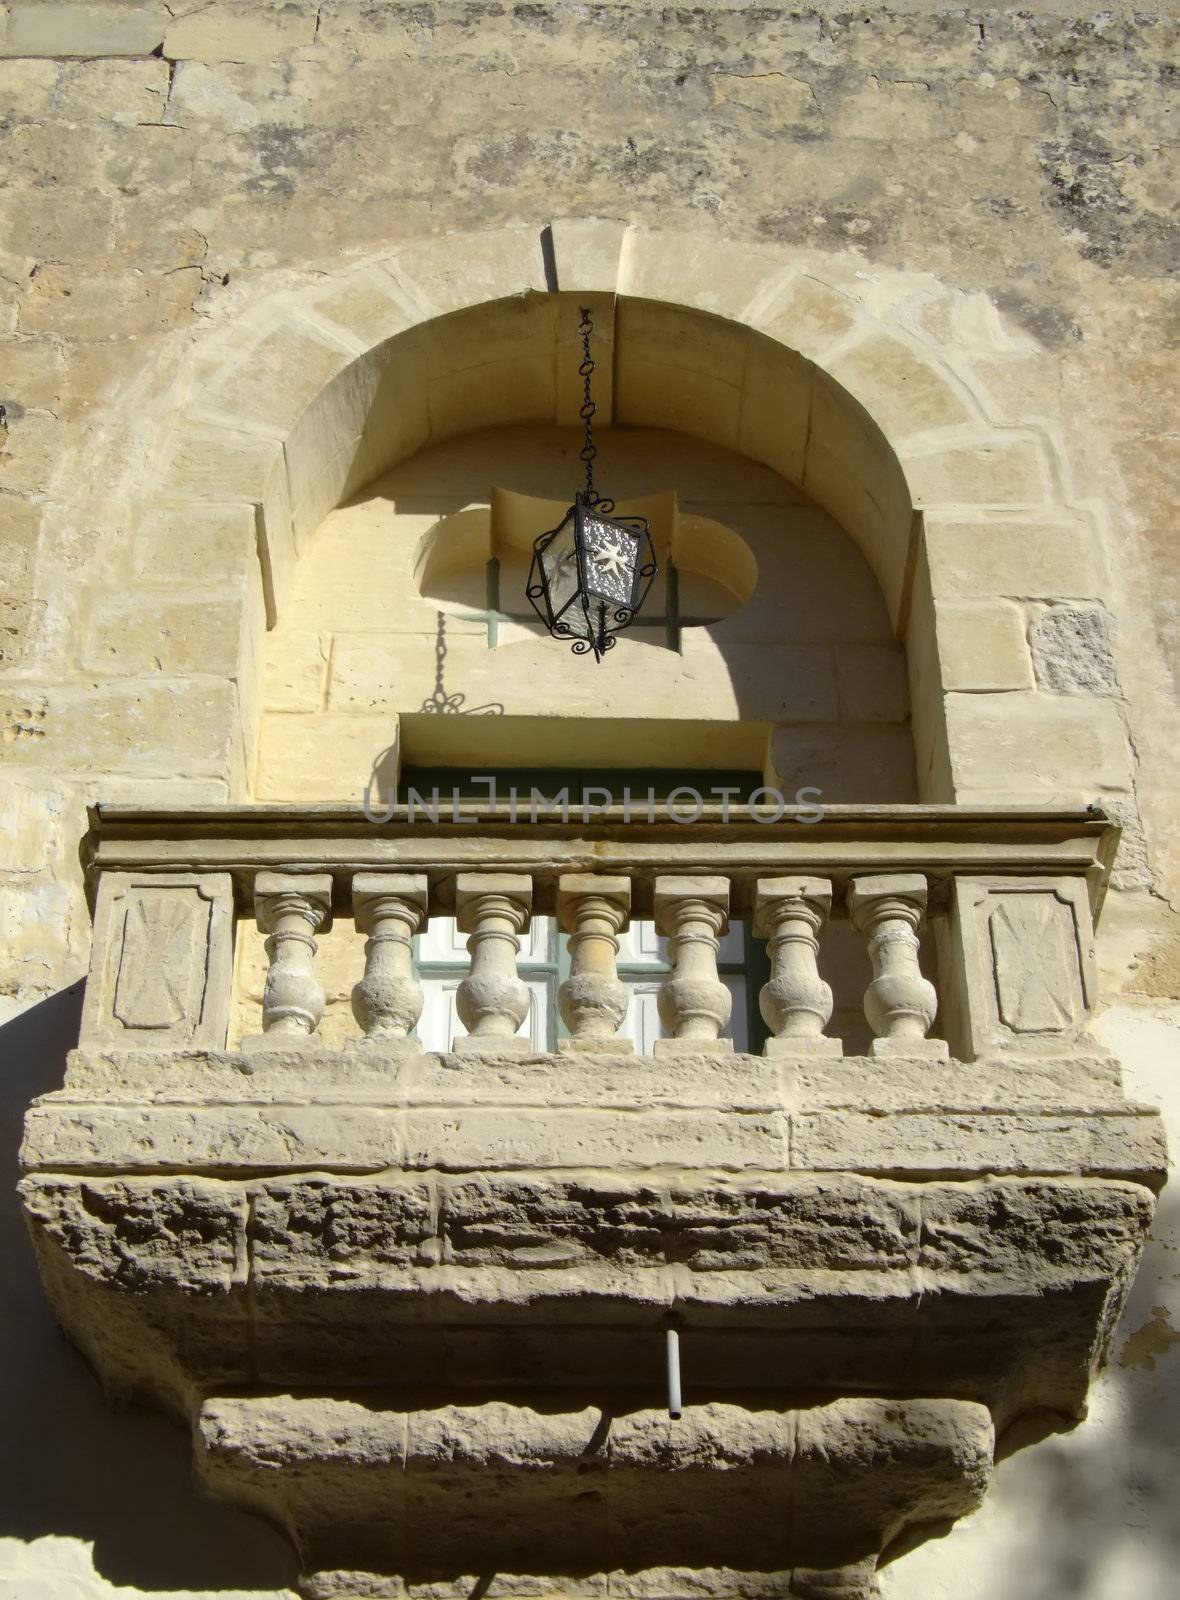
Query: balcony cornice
(940, 841)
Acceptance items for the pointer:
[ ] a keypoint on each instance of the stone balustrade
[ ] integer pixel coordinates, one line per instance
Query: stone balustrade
(1007, 897)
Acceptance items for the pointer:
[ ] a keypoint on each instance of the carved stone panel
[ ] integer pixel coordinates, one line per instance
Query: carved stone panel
(1021, 958)
(161, 966)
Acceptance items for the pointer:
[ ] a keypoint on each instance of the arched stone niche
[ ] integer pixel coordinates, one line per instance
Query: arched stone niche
(960, 520)
(408, 642)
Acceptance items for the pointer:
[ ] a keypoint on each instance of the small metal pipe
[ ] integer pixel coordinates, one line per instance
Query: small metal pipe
(672, 1351)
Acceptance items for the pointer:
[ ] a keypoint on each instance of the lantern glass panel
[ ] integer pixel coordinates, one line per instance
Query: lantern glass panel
(611, 556)
(559, 565)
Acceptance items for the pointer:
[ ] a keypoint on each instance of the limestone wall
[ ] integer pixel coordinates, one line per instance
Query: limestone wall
(991, 186)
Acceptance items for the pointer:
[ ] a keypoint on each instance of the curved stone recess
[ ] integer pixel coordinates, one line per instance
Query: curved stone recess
(500, 1488)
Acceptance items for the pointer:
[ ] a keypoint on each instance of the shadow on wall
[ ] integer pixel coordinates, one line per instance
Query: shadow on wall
(70, 1464)
(1087, 1513)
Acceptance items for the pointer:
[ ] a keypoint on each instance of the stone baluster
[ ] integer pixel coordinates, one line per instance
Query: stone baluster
(388, 907)
(492, 1002)
(694, 1004)
(890, 909)
(593, 909)
(291, 908)
(796, 1003)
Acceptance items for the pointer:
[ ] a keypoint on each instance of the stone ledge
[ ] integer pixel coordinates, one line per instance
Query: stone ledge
(1058, 1083)
(593, 1113)
(1002, 1291)
(571, 1491)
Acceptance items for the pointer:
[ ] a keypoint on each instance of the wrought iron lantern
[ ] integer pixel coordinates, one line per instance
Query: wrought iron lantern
(591, 573)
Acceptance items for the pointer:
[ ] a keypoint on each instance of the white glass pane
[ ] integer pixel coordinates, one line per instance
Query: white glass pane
(732, 946)
(641, 946)
(439, 1023)
(441, 941)
(642, 1023)
(738, 1029)
(537, 943)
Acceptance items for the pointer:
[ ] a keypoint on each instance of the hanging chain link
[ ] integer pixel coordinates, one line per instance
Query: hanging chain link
(589, 450)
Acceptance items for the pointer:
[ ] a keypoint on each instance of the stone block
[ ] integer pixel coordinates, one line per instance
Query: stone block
(138, 727)
(199, 544)
(533, 1222)
(500, 264)
(33, 367)
(274, 382)
(295, 675)
(848, 766)
(852, 470)
(712, 1488)
(140, 633)
(238, 32)
(711, 274)
(370, 305)
(871, 683)
(71, 300)
(1019, 954)
(1073, 650)
(195, 1139)
(575, 1081)
(758, 682)
(293, 751)
(18, 548)
(1006, 471)
(981, 646)
(900, 386)
(217, 464)
(1033, 1231)
(781, 105)
(805, 314)
(162, 961)
(41, 925)
(586, 252)
(1024, 744)
(776, 408)
(916, 1143)
(93, 29)
(516, 1137)
(135, 1235)
(1056, 1084)
(318, 1231)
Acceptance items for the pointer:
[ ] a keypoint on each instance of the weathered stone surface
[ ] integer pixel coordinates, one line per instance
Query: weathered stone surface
(530, 1222)
(275, 1138)
(163, 957)
(102, 29)
(909, 1143)
(591, 1489)
(137, 1235)
(1019, 1231)
(1073, 651)
(589, 1138)
(320, 1231)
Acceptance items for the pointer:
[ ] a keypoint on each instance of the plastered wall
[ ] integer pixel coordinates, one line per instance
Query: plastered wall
(999, 183)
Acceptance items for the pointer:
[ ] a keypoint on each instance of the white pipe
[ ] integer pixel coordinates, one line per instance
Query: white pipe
(672, 1340)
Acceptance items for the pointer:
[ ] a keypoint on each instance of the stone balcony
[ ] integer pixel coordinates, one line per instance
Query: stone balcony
(414, 1306)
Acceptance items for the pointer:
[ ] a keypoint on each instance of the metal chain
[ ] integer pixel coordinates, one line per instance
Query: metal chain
(589, 449)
